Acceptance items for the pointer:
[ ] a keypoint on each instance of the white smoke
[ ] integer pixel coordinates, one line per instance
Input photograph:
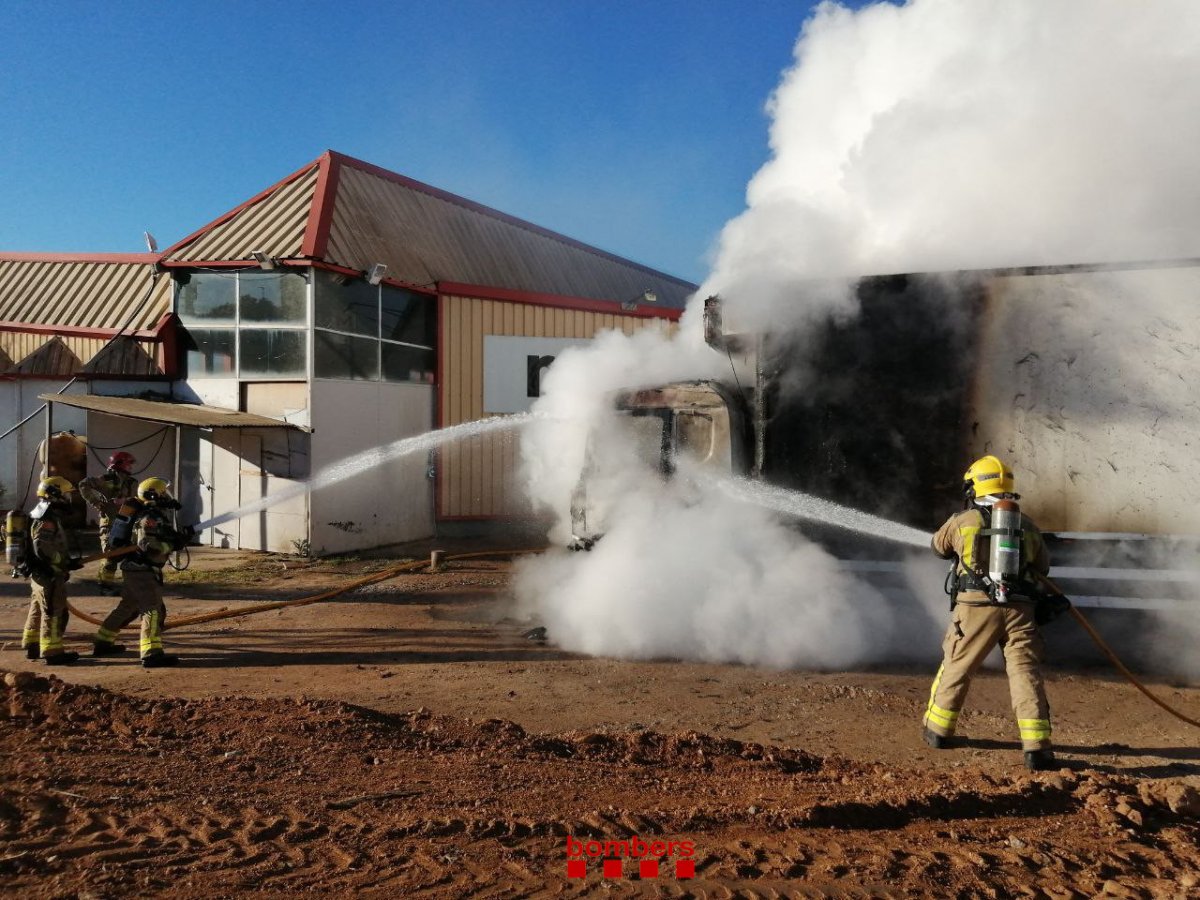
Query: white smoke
(684, 571)
(931, 136)
(578, 392)
(954, 134)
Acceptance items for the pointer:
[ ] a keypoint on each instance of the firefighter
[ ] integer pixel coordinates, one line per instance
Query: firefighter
(141, 586)
(53, 555)
(993, 592)
(105, 493)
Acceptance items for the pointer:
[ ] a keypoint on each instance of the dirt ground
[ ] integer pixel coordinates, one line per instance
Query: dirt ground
(405, 740)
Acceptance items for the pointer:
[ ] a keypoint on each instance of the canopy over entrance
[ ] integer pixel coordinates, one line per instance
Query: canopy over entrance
(193, 414)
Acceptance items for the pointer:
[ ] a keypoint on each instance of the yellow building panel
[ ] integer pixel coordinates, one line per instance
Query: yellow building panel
(480, 477)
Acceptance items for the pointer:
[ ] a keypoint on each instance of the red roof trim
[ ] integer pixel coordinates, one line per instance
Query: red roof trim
(226, 263)
(320, 214)
(145, 259)
(358, 273)
(79, 332)
(557, 300)
(496, 214)
(299, 173)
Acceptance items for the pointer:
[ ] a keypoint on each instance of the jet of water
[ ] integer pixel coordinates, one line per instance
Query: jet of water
(375, 456)
(810, 508)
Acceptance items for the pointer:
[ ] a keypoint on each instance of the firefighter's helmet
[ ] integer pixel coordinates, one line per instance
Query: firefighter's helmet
(987, 477)
(54, 488)
(121, 460)
(154, 490)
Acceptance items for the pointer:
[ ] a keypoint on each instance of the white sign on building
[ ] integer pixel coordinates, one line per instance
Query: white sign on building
(513, 368)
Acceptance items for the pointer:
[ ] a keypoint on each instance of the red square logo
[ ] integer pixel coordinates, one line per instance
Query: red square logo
(685, 868)
(648, 868)
(576, 868)
(612, 868)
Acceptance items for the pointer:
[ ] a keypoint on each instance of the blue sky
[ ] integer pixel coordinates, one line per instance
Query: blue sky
(633, 126)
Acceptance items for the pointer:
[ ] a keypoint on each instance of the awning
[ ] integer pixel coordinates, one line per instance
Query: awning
(194, 414)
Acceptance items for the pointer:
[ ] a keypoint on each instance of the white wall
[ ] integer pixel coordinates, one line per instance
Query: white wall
(387, 504)
(238, 466)
(1087, 387)
(18, 451)
(151, 443)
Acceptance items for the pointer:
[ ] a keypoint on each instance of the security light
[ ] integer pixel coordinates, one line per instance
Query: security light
(377, 273)
(646, 296)
(264, 261)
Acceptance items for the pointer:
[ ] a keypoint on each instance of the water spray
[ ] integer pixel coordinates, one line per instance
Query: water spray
(368, 459)
(814, 509)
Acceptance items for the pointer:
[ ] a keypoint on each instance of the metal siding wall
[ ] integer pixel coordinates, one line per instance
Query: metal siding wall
(478, 477)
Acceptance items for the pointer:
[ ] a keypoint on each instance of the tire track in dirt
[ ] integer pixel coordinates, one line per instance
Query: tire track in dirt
(231, 797)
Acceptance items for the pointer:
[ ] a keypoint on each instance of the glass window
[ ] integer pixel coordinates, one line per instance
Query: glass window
(210, 351)
(272, 351)
(208, 297)
(404, 363)
(694, 435)
(272, 297)
(346, 304)
(408, 317)
(649, 433)
(342, 356)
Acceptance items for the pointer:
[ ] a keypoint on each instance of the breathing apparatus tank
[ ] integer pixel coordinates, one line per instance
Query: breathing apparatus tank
(16, 534)
(120, 533)
(1004, 560)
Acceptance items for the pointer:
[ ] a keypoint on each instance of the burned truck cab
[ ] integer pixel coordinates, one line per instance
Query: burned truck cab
(704, 423)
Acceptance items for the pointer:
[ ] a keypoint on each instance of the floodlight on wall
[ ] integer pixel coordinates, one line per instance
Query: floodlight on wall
(646, 296)
(264, 260)
(377, 272)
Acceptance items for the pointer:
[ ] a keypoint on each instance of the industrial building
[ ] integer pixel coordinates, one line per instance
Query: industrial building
(342, 309)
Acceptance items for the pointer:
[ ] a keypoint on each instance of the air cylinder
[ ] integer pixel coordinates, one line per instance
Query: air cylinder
(1004, 560)
(16, 524)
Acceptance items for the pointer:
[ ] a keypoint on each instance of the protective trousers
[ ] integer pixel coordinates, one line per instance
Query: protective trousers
(141, 595)
(46, 622)
(108, 568)
(974, 630)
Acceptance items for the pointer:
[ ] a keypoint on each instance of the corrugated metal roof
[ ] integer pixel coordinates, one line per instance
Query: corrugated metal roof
(352, 214)
(424, 235)
(194, 414)
(86, 293)
(53, 358)
(274, 222)
(123, 356)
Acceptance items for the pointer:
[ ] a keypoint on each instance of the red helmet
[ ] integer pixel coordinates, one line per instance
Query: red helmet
(121, 460)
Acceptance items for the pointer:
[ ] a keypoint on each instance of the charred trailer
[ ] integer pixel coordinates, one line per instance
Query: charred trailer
(705, 423)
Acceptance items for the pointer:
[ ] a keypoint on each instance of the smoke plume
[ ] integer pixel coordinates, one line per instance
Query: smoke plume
(935, 135)
(943, 135)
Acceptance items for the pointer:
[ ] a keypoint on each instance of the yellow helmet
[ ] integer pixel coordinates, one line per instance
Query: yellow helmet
(986, 477)
(154, 489)
(54, 488)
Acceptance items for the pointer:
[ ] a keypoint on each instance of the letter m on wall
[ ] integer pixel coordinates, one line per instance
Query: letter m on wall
(533, 373)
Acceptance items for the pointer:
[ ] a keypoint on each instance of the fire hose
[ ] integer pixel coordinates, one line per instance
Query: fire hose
(384, 575)
(415, 565)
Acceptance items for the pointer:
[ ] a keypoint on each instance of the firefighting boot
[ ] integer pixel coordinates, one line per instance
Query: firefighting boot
(1039, 760)
(33, 651)
(61, 658)
(159, 660)
(107, 648)
(937, 741)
